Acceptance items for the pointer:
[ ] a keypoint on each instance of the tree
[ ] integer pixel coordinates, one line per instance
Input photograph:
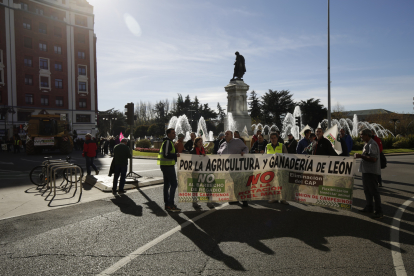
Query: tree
(157, 130)
(313, 112)
(141, 131)
(275, 105)
(221, 113)
(255, 107)
(338, 112)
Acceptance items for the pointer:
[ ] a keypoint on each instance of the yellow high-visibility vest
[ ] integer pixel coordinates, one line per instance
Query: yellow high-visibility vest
(271, 150)
(161, 160)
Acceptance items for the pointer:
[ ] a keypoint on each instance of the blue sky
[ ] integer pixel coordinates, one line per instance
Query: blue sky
(152, 50)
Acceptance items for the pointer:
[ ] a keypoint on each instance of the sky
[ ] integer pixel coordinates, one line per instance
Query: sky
(152, 50)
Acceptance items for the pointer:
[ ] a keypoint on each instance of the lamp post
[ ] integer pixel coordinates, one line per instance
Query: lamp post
(110, 118)
(395, 127)
(329, 73)
(191, 118)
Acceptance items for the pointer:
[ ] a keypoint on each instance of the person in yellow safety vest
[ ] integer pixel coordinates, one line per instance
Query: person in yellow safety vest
(167, 157)
(17, 143)
(272, 148)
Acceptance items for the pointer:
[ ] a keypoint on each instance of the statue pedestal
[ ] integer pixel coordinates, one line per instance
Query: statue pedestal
(237, 105)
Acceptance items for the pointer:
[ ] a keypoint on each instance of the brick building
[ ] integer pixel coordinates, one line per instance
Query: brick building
(47, 62)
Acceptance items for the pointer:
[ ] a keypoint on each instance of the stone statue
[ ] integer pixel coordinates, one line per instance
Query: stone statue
(239, 67)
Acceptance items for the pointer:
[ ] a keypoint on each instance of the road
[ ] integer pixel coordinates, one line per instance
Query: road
(133, 235)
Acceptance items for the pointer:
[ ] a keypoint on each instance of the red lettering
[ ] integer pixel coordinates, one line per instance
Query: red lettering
(263, 177)
(253, 180)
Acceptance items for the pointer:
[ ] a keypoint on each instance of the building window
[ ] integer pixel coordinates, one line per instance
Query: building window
(39, 11)
(25, 7)
(27, 42)
(59, 101)
(58, 50)
(44, 100)
(80, 20)
(83, 118)
(29, 98)
(81, 55)
(23, 116)
(28, 79)
(44, 82)
(82, 103)
(44, 64)
(54, 16)
(42, 47)
(58, 32)
(58, 66)
(82, 86)
(81, 38)
(42, 28)
(82, 70)
(27, 24)
(59, 83)
(28, 61)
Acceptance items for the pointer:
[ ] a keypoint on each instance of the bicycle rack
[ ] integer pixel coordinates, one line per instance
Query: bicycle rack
(52, 171)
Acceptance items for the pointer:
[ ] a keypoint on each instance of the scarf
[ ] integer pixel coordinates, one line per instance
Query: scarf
(200, 151)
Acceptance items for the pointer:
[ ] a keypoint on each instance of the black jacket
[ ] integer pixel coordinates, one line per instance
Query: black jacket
(344, 147)
(217, 144)
(257, 147)
(324, 147)
(167, 147)
(291, 145)
(188, 145)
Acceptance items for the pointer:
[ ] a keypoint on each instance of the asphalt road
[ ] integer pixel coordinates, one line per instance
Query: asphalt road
(133, 235)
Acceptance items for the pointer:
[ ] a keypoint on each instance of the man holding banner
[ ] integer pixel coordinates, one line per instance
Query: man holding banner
(323, 145)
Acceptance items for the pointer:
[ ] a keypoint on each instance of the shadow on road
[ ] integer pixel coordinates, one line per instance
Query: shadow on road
(251, 226)
(127, 205)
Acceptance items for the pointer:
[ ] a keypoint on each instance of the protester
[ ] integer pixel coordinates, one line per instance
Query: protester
(304, 143)
(198, 149)
(167, 158)
(255, 137)
(111, 145)
(190, 143)
(291, 144)
(379, 143)
(348, 140)
(179, 145)
(344, 146)
(233, 146)
(237, 135)
(119, 165)
(323, 146)
(260, 145)
(16, 144)
(98, 147)
(102, 146)
(275, 147)
(218, 142)
(89, 152)
(106, 147)
(312, 137)
(370, 168)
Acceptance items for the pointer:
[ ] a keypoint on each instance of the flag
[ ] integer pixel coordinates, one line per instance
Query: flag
(332, 135)
(121, 136)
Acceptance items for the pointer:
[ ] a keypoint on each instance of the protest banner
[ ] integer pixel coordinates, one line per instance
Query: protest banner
(318, 180)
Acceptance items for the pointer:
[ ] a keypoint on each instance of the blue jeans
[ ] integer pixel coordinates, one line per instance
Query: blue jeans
(119, 170)
(170, 184)
(89, 163)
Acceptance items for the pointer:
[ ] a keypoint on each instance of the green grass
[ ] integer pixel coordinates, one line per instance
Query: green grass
(139, 153)
(387, 151)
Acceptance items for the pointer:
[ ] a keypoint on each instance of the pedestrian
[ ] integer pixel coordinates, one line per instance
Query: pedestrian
(190, 143)
(98, 146)
(233, 146)
(279, 138)
(179, 145)
(344, 146)
(102, 146)
(379, 143)
(323, 146)
(111, 145)
(304, 143)
(106, 147)
(119, 165)
(370, 168)
(16, 144)
(275, 147)
(218, 142)
(167, 157)
(237, 135)
(198, 149)
(291, 144)
(255, 137)
(260, 145)
(348, 140)
(89, 152)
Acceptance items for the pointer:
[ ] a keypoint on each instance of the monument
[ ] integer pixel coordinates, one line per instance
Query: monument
(237, 97)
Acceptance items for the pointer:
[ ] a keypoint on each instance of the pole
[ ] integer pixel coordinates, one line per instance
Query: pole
(130, 161)
(329, 73)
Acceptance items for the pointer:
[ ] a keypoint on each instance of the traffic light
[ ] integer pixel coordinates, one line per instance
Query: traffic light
(297, 121)
(129, 112)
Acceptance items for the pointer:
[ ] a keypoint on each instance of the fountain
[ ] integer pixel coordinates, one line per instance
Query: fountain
(231, 123)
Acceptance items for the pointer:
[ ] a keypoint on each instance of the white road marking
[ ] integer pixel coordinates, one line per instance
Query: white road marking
(124, 261)
(6, 163)
(395, 239)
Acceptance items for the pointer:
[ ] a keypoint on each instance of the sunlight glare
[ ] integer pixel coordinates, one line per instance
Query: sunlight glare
(132, 25)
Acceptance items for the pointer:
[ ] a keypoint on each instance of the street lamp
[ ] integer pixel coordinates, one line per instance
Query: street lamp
(191, 118)
(395, 127)
(329, 73)
(110, 118)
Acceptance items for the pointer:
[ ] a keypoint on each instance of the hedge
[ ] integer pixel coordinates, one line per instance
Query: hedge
(389, 142)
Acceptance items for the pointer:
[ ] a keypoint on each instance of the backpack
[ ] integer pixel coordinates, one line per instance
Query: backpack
(383, 161)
